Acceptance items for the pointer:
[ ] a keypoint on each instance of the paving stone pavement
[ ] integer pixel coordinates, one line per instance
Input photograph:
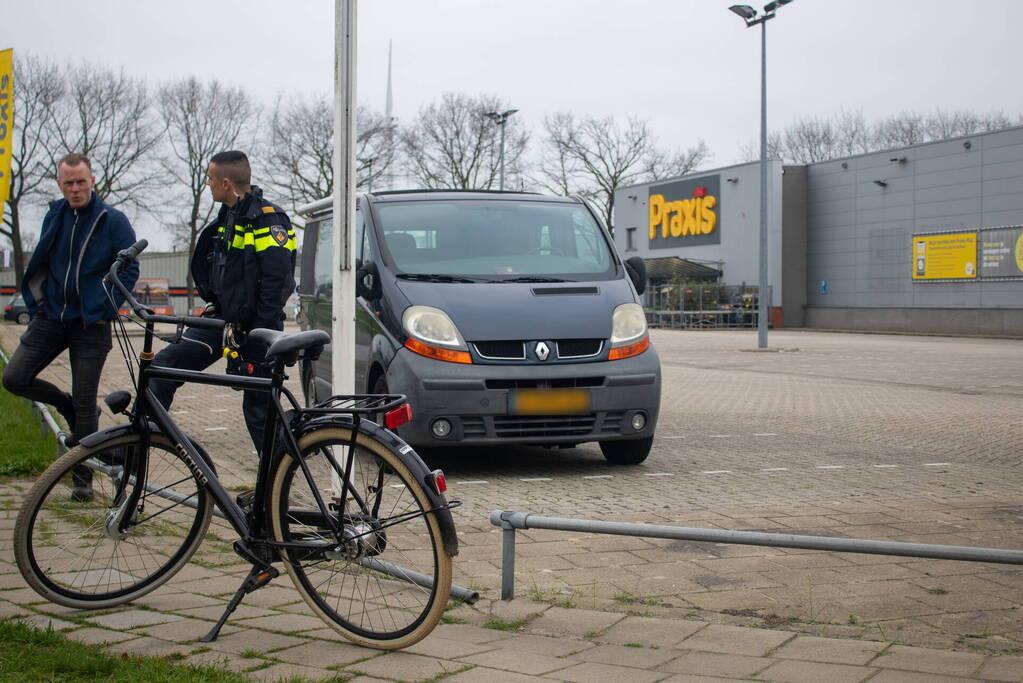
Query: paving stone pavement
(886, 437)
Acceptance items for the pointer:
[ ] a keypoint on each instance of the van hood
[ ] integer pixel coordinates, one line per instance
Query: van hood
(520, 310)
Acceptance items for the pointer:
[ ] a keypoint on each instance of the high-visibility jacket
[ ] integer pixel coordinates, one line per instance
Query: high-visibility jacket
(254, 243)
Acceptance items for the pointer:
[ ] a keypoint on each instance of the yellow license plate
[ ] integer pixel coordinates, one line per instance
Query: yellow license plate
(549, 402)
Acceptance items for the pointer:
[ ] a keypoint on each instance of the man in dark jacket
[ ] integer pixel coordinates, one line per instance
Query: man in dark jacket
(70, 306)
(243, 265)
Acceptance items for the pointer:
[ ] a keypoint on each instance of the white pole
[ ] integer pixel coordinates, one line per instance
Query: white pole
(343, 322)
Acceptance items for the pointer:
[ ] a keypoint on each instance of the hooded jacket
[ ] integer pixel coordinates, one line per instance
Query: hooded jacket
(104, 231)
(255, 245)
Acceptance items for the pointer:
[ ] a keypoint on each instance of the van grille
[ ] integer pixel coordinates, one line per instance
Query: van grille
(501, 350)
(515, 349)
(512, 426)
(562, 383)
(579, 348)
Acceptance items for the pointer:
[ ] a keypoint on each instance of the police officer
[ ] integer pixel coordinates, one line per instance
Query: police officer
(243, 266)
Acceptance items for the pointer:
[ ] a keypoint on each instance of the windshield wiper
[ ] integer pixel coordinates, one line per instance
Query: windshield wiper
(534, 278)
(433, 277)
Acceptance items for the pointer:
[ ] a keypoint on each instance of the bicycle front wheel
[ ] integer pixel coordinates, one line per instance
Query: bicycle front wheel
(69, 550)
(383, 579)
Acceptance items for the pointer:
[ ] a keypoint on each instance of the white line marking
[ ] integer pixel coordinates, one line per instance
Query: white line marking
(659, 474)
(775, 469)
(397, 486)
(215, 429)
(536, 479)
(671, 437)
(764, 434)
(181, 412)
(717, 471)
(936, 464)
(885, 465)
(831, 467)
(597, 476)
(474, 481)
(719, 436)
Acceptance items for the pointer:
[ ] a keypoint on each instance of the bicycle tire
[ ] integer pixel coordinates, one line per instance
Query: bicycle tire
(62, 547)
(370, 607)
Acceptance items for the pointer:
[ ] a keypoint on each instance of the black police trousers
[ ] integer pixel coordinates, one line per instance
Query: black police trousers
(197, 350)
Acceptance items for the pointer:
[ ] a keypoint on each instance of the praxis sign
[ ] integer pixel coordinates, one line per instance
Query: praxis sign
(684, 213)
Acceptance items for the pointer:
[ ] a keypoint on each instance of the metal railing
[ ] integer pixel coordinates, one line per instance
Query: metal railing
(510, 521)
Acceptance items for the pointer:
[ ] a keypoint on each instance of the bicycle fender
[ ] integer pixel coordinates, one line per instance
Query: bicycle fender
(408, 457)
(96, 438)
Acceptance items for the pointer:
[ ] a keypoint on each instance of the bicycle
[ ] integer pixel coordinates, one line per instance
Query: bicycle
(360, 523)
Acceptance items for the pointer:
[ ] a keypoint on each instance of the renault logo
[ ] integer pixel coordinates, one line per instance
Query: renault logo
(542, 350)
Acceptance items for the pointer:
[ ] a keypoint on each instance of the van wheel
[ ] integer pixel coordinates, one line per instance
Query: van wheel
(309, 386)
(379, 387)
(630, 452)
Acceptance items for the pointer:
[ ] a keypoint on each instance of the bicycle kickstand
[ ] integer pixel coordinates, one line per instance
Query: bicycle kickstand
(257, 578)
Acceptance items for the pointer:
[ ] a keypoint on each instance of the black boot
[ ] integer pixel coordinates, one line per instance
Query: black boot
(81, 479)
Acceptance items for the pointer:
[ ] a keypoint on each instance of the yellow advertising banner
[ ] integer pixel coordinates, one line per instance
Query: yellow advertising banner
(6, 120)
(952, 256)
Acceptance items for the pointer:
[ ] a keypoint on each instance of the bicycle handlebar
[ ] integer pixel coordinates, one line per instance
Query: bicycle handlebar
(124, 257)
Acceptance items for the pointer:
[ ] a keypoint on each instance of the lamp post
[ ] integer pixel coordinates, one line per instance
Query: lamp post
(749, 15)
(500, 119)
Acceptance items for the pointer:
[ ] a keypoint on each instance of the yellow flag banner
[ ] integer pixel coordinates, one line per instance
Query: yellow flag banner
(6, 120)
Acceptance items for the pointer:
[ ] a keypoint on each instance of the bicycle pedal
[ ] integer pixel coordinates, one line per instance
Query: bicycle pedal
(245, 500)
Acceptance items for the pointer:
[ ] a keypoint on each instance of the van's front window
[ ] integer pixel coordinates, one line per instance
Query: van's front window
(494, 240)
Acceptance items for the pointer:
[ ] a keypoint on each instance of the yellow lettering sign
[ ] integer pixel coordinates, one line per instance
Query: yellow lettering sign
(694, 216)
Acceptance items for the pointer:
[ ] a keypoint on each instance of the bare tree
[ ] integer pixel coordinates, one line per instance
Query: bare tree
(660, 164)
(302, 148)
(107, 116)
(594, 157)
(452, 144)
(750, 151)
(38, 87)
(201, 119)
(901, 130)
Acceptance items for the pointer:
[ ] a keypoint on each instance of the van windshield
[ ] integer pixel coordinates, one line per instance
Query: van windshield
(494, 240)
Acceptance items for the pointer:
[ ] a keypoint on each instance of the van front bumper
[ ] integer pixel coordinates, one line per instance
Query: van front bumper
(476, 400)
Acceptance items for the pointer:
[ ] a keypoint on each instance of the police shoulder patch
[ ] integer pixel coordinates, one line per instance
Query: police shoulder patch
(279, 233)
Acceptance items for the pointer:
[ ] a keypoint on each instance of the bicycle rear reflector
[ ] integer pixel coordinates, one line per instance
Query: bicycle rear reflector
(398, 416)
(437, 478)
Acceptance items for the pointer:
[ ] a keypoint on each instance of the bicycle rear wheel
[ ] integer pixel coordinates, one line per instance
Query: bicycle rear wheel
(69, 553)
(386, 582)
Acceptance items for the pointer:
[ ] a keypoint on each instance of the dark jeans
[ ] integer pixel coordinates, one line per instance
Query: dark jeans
(42, 342)
(198, 350)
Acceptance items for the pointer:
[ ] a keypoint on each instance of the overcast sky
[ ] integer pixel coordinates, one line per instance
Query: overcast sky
(690, 67)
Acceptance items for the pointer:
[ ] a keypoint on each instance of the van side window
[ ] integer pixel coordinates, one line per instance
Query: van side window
(363, 247)
(324, 252)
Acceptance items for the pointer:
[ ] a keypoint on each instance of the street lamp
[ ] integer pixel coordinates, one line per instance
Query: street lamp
(500, 119)
(749, 15)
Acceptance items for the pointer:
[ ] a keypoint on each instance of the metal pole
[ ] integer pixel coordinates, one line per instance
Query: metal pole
(502, 122)
(762, 317)
(343, 300)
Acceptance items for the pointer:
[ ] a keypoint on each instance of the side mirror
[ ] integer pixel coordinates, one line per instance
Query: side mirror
(636, 268)
(367, 281)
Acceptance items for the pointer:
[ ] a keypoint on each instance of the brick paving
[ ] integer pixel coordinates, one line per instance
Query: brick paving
(866, 436)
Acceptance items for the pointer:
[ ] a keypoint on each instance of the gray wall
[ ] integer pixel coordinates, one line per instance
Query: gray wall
(859, 235)
(737, 254)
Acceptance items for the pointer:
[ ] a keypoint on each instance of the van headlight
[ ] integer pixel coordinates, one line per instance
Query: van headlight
(628, 332)
(433, 334)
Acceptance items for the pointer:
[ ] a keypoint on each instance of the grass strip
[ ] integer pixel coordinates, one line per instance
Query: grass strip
(24, 451)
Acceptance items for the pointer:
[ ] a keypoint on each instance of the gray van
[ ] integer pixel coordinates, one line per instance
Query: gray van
(505, 317)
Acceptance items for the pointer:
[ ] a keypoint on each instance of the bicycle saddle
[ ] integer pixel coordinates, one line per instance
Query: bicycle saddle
(287, 346)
